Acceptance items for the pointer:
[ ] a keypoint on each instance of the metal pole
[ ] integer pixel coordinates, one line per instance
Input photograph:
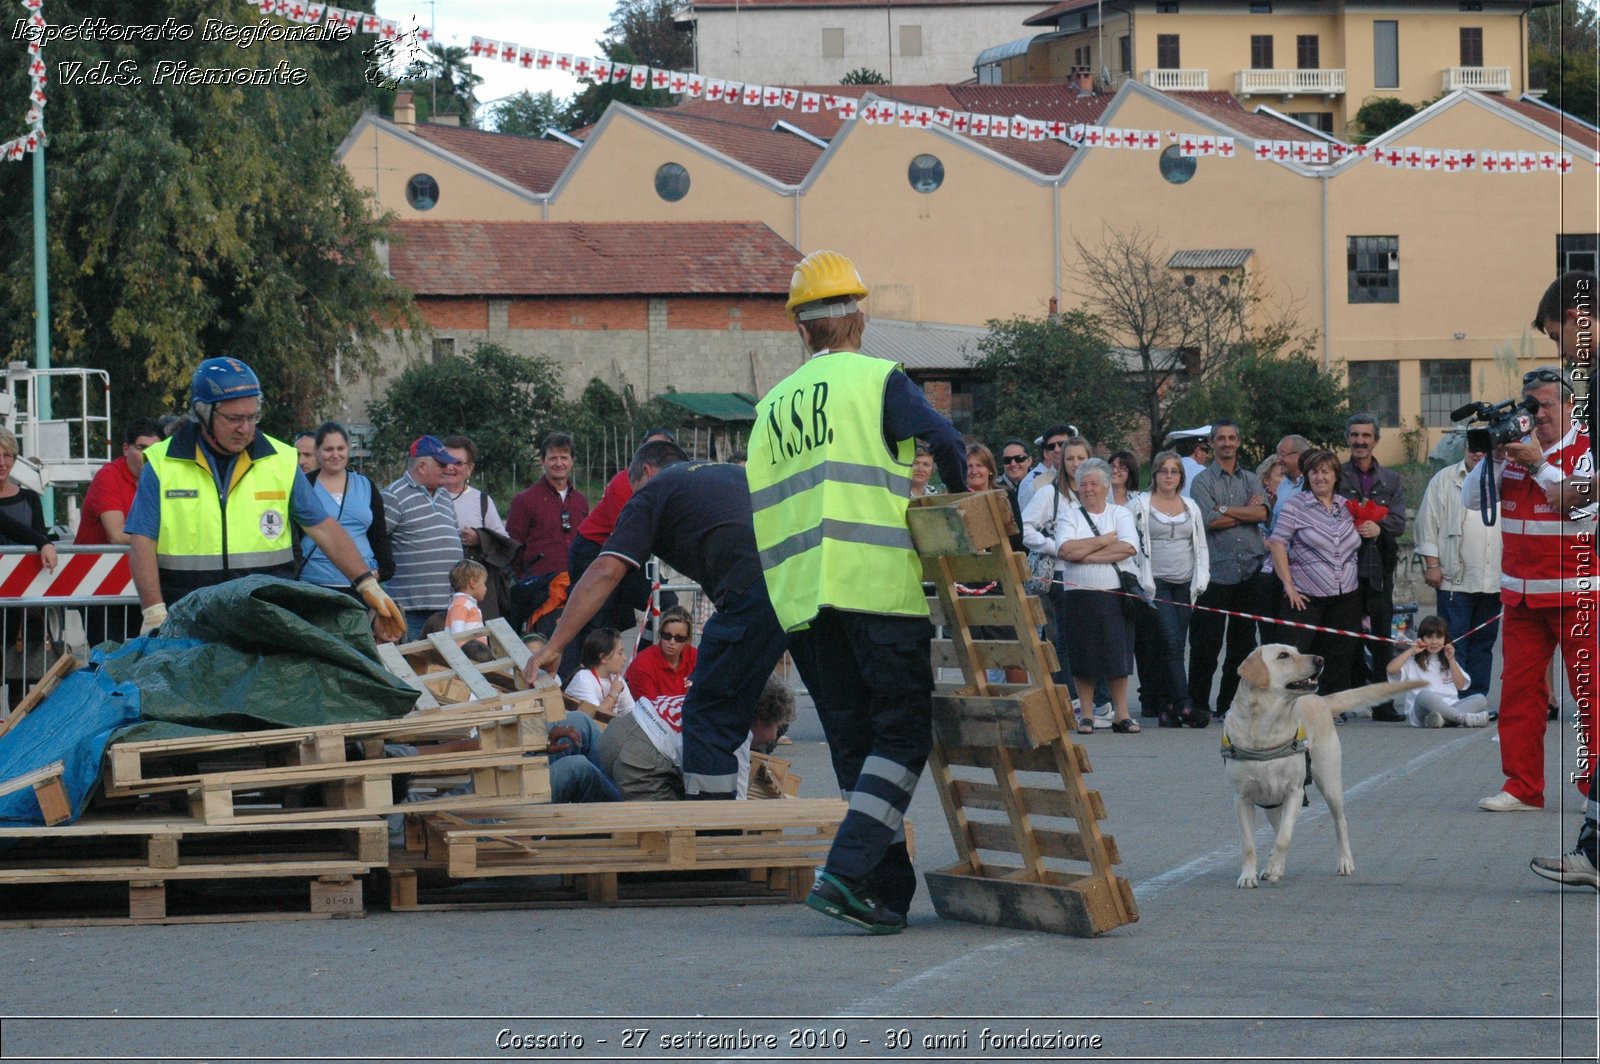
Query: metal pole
(41, 312)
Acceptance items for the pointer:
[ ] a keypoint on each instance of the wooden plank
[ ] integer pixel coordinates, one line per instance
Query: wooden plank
(464, 668)
(998, 610)
(54, 770)
(336, 894)
(391, 658)
(965, 718)
(1078, 909)
(40, 691)
(957, 524)
(1064, 845)
(966, 568)
(54, 805)
(511, 645)
(664, 816)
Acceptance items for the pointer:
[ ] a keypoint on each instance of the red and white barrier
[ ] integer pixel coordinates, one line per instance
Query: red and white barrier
(77, 575)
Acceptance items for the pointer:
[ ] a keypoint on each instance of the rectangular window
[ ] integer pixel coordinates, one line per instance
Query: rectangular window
(1260, 7)
(1167, 51)
(443, 347)
(911, 40)
(1126, 45)
(1261, 51)
(1446, 385)
(1375, 387)
(1472, 46)
(1320, 120)
(1577, 251)
(1386, 54)
(1166, 9)
(1373, 263)
(1308, 51)
(833, 42)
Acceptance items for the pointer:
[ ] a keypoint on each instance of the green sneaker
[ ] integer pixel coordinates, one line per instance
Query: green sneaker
(854, 904)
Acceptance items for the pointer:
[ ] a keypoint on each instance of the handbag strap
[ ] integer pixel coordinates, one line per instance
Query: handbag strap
(1089, 519)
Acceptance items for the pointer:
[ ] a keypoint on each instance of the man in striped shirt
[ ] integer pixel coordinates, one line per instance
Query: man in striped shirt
(423, 534)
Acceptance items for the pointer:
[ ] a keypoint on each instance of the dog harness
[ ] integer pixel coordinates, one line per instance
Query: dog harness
(1297, 745)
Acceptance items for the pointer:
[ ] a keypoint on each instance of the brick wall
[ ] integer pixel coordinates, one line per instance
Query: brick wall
(720, 312)
(451, 314)
(938, 393)
(601, 312)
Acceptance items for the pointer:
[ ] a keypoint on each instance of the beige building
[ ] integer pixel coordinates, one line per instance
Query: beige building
(1420, 281)
(1314, 60)
(806, 42)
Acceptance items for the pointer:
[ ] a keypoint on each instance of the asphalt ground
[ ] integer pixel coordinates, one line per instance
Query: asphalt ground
(1442, 946)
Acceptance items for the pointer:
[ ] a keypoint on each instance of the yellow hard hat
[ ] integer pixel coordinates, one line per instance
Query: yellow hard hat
(823, 275)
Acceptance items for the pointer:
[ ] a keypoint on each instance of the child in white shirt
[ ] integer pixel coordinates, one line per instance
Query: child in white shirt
(600, 680)
(1433, 659)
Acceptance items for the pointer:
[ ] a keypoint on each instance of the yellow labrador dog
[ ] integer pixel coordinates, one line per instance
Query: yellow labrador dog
(1274, 718)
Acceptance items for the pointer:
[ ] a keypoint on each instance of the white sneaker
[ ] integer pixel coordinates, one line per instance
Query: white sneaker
(1433, 719)
(1103, 716)
(1475, 720)
(1506, 803)
(1572, 868)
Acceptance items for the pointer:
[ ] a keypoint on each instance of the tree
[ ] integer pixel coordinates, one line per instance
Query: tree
(1176, 327)
(863, 76)
(1379, 114)
(641, 32)
(197, 220)
(1272, 395)
(1041, 371)
(526, 115)
(454, 84)
(1563, 56)
(504, 401)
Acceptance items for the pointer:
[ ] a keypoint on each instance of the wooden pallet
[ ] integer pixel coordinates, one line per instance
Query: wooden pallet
(415, 884)
(772, 777)
(443, 674)
(986, 734)
(507, 722)
(119, 870)
(49, 787)
(40, 691)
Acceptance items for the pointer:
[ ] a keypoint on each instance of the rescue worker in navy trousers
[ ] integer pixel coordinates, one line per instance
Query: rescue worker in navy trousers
(696, 517)
(830, 480)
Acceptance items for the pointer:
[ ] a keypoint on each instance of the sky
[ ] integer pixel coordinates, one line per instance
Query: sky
(553, 25)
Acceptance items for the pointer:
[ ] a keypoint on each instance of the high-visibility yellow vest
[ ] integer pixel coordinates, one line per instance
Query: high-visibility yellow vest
(203, 542)
(829, 496)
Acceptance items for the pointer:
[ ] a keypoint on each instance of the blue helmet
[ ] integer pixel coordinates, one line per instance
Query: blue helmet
(217, 380)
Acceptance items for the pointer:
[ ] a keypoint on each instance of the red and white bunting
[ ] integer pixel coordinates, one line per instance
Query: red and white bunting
(790, 98)
(714, 89)
(771, 96)
(697, 87)
(1225, 147)
(810, 103)
(848, 108)
(732, 91)
(660, 79)
(752, 95)
(639, 78)
(999, 126)
(961, 121)
(601, 71)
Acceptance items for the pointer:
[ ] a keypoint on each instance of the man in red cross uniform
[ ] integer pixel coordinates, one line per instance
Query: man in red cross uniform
(1548, 565)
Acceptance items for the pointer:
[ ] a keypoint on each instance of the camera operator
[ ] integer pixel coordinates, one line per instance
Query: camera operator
(1547, 562)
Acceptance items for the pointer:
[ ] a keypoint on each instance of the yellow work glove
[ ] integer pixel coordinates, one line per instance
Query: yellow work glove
(390, 624)
(154, 617)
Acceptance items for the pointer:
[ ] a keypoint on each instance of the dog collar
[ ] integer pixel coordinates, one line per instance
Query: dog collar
(1297, 745)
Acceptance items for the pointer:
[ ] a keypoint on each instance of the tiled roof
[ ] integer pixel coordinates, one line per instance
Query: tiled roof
(524, 161)
(590, 258)
(780, 155)
(1048, 16)
(1224, 107)
(1209, 259)
(1575, 131)
(1035, 101)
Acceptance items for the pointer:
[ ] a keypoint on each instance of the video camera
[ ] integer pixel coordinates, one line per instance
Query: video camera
(1508, 422)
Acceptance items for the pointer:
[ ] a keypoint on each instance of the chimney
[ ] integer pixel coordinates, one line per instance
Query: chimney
(1055, 310)
(451, 119)
(405, 110)
(1083, 77)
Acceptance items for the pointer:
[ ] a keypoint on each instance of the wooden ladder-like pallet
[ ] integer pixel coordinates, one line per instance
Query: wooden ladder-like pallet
(986, 734)
(440, 670)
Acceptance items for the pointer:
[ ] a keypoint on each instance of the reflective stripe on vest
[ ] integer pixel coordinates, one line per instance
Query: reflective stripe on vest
(1547, 560)
(829, 499)
(198, 536)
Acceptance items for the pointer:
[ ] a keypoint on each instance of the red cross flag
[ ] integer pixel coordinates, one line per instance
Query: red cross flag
(1113, 138)
(528, 57)
(352, 19)
(1412, 158)
(1451, 160)
(1301, 151)
(478, 45)
(639, 78)
(424, 34)
(37, 69)
(582, 66)
(14, 150)
(810, 103)
(1395, 159)
(1225, 147)
(790, 98)
(905, 114)
(732, 91)
(1075, 132)
(660, 79)
(1491, 162)
(924, 117)
(370, 23)
(1282, 150)
(1263, 150)
(544, 60)
(1093, 135)
(1527, 161)
(389, 30)
(31, 141)
(1208, 145)
(36, 116)
(297, 12)
(980, 125)
(1564, 164)
(602, 71)
(697, 86)
(1339, 150)
(564, 61)
(771, 96)
(680, 83)
(314, 13)
(1547, 162)
(1150, 140)
(620, 72)
(714, 87)
(942, 115)
(752, 95)
(961, 121)
(1056, 128)
(1038, 130)
(1319, 153)
(999, 126)
(1430, 158)
(1019, 126)
(847, 108)
(1189, 148)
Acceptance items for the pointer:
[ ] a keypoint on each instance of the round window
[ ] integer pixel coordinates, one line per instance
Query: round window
(672, 182)
(1176, 167)
(926, 173)
(422, 192)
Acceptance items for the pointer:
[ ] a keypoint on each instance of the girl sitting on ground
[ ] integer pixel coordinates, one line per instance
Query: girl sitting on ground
(1433, 659)
(600, 681)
